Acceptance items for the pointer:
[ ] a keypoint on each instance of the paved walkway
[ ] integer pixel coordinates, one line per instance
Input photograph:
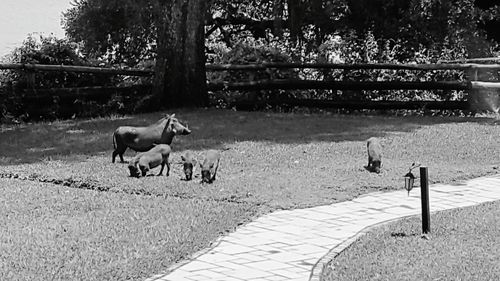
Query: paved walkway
(294, 245)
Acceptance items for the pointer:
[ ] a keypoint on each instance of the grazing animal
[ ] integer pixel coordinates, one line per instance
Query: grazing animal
(374, 154)
(188, 162)
(209, 166)
(158, 155)
(141, 139)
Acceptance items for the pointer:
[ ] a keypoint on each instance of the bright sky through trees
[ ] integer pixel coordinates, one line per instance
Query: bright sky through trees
(19, 18)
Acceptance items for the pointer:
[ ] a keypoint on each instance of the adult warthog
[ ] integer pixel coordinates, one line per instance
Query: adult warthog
(143, 138)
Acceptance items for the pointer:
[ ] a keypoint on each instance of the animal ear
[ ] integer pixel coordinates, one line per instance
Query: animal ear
(172, 116)
(183, 158)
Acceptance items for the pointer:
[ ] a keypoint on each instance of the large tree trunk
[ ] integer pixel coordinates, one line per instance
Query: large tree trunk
(295, 19)
(180, 77)
(278, 18)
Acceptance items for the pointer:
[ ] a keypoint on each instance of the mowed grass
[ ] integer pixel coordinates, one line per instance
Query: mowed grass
(51, 232)
(273, 161)
(464, 245)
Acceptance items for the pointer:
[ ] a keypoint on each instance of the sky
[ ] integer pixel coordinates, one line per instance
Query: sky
(18, 18)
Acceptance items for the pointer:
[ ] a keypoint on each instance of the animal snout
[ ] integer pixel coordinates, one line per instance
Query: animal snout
(205, 176)
(376, 166)
(134, 172)
(188, 171)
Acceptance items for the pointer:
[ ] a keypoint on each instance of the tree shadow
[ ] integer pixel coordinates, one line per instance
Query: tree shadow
(74, 140)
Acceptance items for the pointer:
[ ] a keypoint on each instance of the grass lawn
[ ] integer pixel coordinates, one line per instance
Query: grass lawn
(274, 161)
(464, 245)
(56, 233)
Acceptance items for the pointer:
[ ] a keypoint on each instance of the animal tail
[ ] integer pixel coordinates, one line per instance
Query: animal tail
(114, 140)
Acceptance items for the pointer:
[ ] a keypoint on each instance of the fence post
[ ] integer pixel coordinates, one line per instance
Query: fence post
(424, 196)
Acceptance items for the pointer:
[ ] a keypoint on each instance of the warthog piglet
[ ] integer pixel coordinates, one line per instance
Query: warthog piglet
(209, 166)
(188, 162)
(158, 155)
(374, 154)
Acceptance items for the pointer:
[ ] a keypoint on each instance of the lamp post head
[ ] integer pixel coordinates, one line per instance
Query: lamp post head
(409, 181)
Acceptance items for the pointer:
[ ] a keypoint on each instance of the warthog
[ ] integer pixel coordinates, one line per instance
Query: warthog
(158, 155)
(141, 139)
(188, 162)
(374, 154)
(209, 166)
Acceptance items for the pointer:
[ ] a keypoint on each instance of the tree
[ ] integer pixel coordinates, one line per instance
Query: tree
(114, 31)
(129, 31)
(180, 75)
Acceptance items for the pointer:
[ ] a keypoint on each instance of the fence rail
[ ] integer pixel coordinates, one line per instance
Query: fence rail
(259, 66)
(287, 84)
(472, 69)
(74, 68)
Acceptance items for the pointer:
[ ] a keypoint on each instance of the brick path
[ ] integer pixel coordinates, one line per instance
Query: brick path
(294, 244)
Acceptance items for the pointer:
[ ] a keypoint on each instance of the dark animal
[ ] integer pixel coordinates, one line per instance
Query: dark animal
(374, 154)
(209, 166)
(188, 162)
(141, 139)
(143, 162)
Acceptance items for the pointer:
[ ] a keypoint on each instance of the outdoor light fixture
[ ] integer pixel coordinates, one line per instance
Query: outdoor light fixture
(424, 195)
(410, 178)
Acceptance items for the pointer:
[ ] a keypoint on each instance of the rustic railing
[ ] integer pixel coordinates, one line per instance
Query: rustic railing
(473, 71)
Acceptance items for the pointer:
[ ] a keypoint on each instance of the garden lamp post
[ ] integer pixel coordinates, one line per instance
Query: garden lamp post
(424, 195)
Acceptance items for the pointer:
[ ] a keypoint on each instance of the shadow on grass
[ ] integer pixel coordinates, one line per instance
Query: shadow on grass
(74, 140)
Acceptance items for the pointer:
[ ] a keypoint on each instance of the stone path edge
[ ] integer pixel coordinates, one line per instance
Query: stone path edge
(191, 258)
(318, 268)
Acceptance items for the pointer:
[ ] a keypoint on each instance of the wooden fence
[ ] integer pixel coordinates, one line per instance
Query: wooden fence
(473, 71)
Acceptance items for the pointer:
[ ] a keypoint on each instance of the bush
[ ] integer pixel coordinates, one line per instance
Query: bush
(249, 51)
(52, 51)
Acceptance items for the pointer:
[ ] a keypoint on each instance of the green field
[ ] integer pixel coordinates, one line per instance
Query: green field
(274, 161)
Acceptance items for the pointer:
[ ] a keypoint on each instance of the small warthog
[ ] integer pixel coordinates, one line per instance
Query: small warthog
(141, 139)
(209, 166)
(143, 162)
(374, 154)
(189, 163)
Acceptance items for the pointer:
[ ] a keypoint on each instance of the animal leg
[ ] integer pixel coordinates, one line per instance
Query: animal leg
(114, 156)
(215, 171)
(168, 168)
(119, 151)
(369, 161)
(161, 170)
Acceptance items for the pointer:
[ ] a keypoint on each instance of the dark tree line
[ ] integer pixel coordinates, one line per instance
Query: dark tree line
(174, 33)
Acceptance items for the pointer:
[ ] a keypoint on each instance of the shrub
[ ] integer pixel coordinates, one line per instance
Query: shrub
(249, 51)
(52, 51)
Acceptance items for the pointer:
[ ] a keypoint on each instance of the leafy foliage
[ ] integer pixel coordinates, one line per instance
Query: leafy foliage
(52, 51)
(118, 31)
(250, 51)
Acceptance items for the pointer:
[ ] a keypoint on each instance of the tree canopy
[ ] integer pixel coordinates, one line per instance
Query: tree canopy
(126, 31)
